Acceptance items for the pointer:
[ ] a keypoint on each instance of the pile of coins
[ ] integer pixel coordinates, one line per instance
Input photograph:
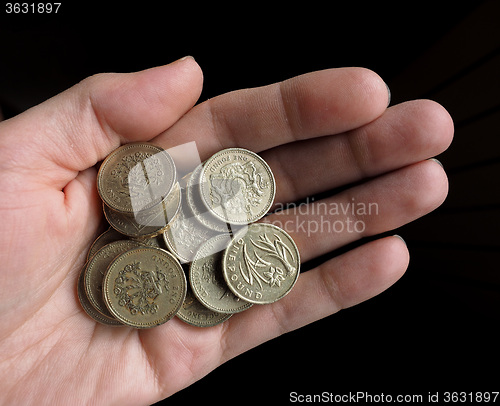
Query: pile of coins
(188, 247)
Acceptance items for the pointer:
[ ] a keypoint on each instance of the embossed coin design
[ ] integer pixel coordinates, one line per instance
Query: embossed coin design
(136, 177)
(262, 264)
(207, 282)
(144, 287)
(194, 313)
(96, 268)
(237, 186)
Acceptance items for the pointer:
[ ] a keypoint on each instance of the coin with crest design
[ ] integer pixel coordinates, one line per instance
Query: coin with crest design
(136, 177)
(144, 287)
(237, 186)
(261, 264)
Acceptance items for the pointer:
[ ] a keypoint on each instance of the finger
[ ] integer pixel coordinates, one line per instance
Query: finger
(307, 106)
(377, 206)
(79, 127)
(341, 282)
(404, 134)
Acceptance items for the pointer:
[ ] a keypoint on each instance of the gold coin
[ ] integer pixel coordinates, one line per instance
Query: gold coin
(108, 236)
(237, 186)
(144, 287)
(91, 310)
(194, 313)
(147, 223)
(262, 264)
(96, 267)
(136, 177)
(207, 281)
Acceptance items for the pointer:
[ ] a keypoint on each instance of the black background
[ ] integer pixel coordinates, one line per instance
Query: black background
(437, 328)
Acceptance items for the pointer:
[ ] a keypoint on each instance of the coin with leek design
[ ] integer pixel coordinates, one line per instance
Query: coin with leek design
(207, 282)
(261, 264)
(144, 287)
(136, 177)
(237, 186)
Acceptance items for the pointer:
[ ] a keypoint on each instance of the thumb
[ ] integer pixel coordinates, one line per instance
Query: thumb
(79, 127)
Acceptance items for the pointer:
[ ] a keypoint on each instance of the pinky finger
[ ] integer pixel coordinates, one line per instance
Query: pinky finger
(341, 282)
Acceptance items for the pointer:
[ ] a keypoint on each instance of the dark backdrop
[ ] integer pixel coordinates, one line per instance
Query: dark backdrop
(437, 328)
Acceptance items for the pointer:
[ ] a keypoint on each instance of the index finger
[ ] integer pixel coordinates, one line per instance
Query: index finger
(311, 105)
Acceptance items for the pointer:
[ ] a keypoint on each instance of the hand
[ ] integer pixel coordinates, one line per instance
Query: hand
(318, 131)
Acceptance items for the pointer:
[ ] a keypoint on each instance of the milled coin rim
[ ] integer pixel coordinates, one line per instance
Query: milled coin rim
(157, 322)
(101, 176)
(226, 151)
(227, 276)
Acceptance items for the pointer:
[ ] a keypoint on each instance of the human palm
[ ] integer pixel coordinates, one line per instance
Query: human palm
(318, 132)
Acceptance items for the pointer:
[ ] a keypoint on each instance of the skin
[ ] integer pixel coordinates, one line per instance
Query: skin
(333, 125)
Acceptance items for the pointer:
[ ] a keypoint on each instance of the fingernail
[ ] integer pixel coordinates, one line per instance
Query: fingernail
(401, 238)
(388, 95)
(186, 57)
(438, 162)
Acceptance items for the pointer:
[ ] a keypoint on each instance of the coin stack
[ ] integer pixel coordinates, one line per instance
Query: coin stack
(188, 247)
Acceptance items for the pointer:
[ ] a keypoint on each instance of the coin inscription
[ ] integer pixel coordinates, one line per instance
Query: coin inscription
(144, 287)
(261, 264)
(237, 186)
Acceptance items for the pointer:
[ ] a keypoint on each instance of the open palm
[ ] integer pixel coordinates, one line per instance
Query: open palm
(318, 131)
